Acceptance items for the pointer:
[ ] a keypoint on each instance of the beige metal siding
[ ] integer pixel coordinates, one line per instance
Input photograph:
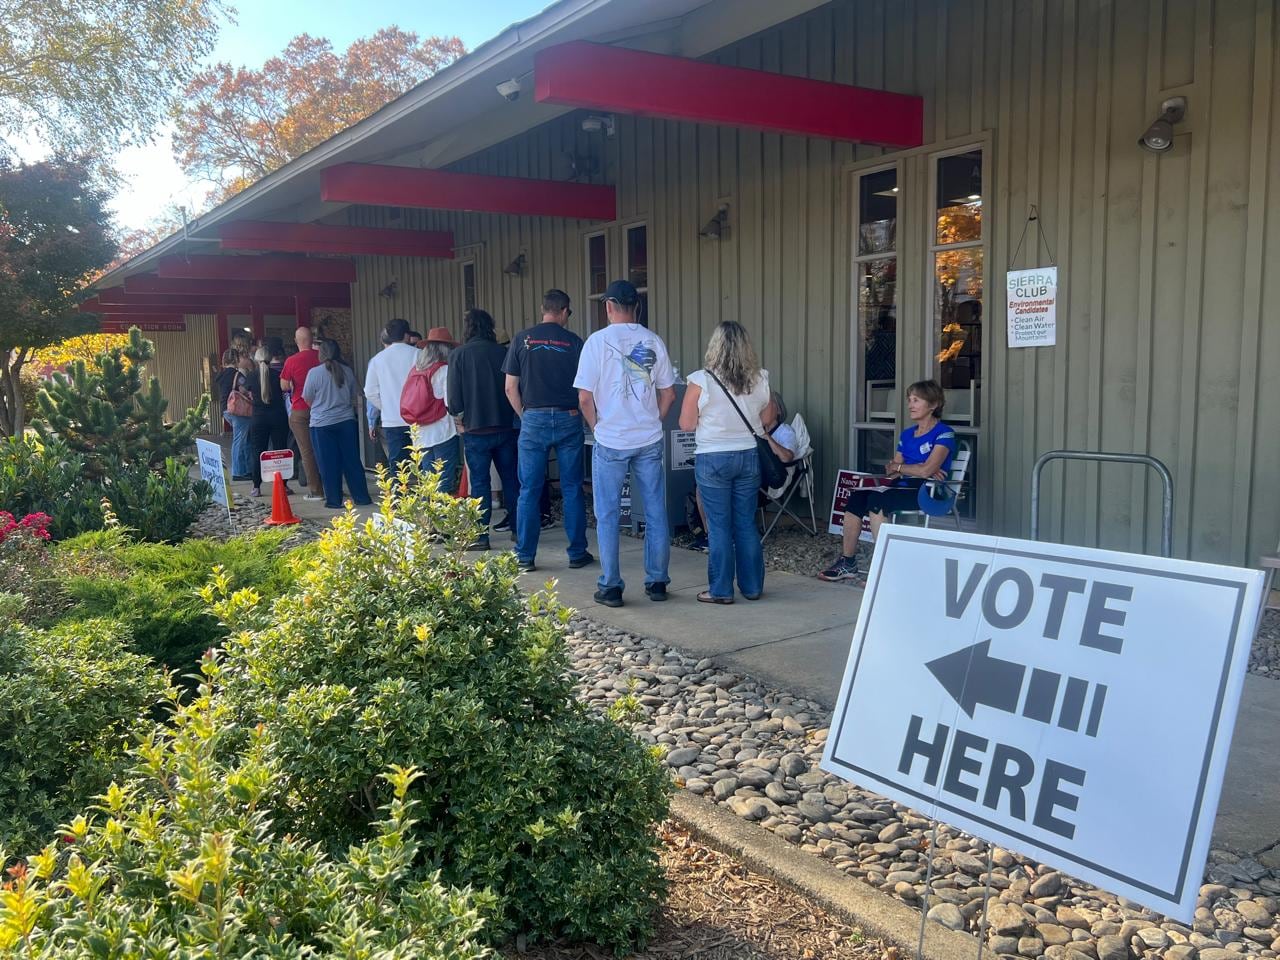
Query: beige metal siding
(179, 362)
(1169, 264)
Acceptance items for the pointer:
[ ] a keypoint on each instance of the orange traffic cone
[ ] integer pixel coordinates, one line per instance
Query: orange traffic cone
(464, 483)
(281, 512)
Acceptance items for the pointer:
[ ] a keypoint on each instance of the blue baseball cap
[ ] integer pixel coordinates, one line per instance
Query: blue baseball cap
(623, 292)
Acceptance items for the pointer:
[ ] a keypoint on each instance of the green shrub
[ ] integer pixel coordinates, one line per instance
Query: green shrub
(38, 477)
(154, 587)
(71, 697)
(183, 862)
(158, 505)
(44, 476)
(385, 653)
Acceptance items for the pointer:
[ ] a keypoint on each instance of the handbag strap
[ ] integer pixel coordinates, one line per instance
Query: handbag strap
(750, 429)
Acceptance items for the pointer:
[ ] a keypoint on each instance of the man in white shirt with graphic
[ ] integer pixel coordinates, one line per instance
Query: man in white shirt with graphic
(383, 384)
(625, 388)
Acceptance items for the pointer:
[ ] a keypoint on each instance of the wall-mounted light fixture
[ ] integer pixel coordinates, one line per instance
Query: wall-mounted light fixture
(1159, 136)
(516, 267)
(717, 228)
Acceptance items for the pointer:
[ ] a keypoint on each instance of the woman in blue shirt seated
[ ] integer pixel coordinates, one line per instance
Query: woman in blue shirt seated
(924, 453)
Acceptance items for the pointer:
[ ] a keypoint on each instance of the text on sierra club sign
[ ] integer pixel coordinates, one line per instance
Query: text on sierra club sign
(1075, 705)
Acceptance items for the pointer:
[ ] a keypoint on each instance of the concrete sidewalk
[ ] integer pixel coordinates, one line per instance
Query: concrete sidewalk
(796, 639)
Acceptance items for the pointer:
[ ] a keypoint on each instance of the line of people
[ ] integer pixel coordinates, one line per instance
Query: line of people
(509, 407)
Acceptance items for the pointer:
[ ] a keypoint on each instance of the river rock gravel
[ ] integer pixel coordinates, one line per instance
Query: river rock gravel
(756, 750)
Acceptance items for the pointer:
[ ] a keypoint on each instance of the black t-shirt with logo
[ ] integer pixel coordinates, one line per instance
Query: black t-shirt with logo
(545, 358)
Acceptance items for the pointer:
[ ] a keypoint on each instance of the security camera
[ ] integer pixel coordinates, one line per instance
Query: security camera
(597, 123)
(510, 89)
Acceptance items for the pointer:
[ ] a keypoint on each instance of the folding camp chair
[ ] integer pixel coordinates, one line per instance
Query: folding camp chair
(799, 480)
(955, 480)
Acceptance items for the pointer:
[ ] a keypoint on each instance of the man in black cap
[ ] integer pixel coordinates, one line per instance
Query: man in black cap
(625, 387)
(540, 366)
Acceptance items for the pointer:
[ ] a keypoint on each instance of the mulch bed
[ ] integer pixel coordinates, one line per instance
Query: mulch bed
(717, 909)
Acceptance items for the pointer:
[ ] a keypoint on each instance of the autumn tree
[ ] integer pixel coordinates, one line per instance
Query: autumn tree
(236, 125)
(86, 77)
(54, 232)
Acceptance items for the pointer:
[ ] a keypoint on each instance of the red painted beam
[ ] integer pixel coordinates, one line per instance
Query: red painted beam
(378, 184)
(145, 283)
(330, 238)
(189, 303)
(236, 307)
(173, 324)
(296, 269)
(594, 76)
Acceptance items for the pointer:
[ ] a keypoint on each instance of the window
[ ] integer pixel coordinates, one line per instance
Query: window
(638, 267)
(876, 345)
(468, 284)
(597, 276)
(957, 272)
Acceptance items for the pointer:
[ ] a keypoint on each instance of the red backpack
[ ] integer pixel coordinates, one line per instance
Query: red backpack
(419, 404)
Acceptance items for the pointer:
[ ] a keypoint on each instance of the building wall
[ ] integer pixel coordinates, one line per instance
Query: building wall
(179, 364)
(1169, 265)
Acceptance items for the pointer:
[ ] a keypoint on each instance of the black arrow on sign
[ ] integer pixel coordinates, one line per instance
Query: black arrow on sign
(972, 676)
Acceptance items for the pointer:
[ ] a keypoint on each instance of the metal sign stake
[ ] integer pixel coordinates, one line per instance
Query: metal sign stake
(928, 879)
(986, 898)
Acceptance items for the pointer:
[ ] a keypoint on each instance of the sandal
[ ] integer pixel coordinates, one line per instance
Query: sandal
(706, 597)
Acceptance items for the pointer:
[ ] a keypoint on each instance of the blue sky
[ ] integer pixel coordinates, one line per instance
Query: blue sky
(154, 181)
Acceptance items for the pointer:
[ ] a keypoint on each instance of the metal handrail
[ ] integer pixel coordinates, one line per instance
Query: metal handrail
(1166, 478)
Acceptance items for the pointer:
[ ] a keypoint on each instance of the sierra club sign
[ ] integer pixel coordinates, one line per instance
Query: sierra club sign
(1005, 687)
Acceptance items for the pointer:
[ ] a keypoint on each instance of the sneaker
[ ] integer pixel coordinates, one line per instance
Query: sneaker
(582, 561)
(255, 492)
(479, 543)
(846, 568)
(240, 477)
(609, 596)
(548, 522)
(504, 523)
(655, 591)
(526, 566)
(700, 543)
(313, 496)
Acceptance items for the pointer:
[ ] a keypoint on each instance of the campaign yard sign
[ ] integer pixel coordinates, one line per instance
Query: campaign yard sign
(1008, 687)
(212, 472)
(848, 481)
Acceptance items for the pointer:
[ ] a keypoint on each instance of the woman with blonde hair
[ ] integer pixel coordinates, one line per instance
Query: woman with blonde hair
(269, 424)
(723, 404)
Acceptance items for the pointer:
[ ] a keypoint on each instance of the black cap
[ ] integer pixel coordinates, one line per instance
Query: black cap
(624, 292)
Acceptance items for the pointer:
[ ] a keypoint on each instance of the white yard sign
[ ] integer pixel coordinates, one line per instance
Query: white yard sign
(1032, 297)
(212, 472)
(1074, 705)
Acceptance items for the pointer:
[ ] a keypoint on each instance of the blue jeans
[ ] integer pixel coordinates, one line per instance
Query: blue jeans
(448, 452)
(729, 483)
(337, 450)
(241, 459)
(608, 472)
(497, 449)
(540, 430)
(398, 445)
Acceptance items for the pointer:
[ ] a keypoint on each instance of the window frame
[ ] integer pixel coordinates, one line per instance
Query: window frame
(932, 339)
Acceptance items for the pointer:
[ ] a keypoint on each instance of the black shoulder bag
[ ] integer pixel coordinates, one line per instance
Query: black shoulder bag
(773, 472)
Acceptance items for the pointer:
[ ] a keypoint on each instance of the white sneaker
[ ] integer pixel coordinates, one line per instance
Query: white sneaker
(313, 496)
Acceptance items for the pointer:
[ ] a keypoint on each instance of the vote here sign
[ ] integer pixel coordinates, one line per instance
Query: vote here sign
(1074, 705)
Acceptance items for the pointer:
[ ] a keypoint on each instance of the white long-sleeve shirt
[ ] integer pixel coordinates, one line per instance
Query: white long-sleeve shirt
(384, 382)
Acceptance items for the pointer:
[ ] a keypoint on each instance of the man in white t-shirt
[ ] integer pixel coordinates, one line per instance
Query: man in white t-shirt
(625, 388)
(383, 384)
